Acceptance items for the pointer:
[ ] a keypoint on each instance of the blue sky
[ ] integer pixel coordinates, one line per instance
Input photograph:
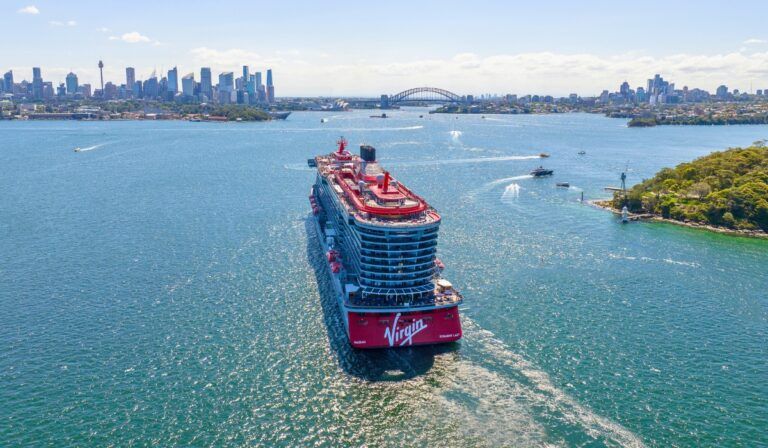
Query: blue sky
(345, 47)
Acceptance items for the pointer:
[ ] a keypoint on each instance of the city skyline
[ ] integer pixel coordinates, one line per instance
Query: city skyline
(552, 49)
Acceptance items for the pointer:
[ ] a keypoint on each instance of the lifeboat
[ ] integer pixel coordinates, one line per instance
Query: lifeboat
(331, 255)
(439, 264)
(335, 267)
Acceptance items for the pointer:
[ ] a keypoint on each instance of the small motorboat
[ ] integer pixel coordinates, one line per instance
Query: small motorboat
(581, 153)
(543, 155)
(379, 116)
(77, 149)
(323, 120)
(541, 171)
(563, 184)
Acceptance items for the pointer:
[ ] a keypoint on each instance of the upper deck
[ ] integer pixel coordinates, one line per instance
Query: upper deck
(369, 192)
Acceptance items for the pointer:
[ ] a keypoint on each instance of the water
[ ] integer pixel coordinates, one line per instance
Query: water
(162, 288)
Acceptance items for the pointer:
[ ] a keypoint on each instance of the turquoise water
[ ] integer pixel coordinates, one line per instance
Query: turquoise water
(162, 288)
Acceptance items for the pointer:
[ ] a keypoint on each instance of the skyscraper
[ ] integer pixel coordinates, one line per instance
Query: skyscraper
(270, 87)
(260, 92)
(246, 72)
(173, 81)
(37, 83)
(130, 77)
(188, 85)
(8, 78)
(226, 87)
(71, 83)
(206, 86)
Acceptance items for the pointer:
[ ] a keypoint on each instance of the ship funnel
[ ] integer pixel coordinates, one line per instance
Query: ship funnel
(368, 153)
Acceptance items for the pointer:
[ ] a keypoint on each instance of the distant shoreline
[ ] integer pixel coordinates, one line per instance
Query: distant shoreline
(605, 204)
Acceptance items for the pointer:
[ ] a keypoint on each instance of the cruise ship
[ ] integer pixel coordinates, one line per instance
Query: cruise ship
(380, 243)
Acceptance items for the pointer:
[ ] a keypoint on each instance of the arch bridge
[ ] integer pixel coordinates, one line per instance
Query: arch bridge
(422, 94)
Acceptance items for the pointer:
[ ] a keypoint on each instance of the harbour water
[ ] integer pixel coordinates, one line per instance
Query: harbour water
(162, 287)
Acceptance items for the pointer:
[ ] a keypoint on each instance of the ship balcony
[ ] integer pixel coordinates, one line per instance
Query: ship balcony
(396, 254)
(397, 270)
(397, 264)
(395, 247)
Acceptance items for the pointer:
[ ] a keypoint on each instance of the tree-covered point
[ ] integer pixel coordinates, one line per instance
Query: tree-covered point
(727, 189)
(701, 120)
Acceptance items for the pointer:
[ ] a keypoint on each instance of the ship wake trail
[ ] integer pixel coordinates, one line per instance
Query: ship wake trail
(494, 183)
(533, 390)
(455, 134)
(461, 161)
(511, 192)
(91, 148)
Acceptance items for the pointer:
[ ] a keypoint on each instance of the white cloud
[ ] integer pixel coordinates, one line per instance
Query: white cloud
(67, 23)
(755, 41)
(31, 9)
(133, 37)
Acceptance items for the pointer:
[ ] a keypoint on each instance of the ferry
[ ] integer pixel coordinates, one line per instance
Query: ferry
(380, 244)
(541, 171)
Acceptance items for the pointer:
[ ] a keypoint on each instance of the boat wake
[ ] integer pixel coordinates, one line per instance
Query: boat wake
(508, 393)
(511, 192)
(90, 148)
(505, 180)
(455, 134)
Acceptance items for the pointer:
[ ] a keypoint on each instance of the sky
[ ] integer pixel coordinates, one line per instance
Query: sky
(367, 48)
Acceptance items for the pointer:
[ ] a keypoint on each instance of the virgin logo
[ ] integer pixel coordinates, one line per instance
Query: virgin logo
(403, 336)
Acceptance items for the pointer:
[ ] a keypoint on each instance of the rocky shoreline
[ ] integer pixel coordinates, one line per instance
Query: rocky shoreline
(605, 204)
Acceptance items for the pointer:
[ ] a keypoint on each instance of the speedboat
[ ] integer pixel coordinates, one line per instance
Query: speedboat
(541, 171)
(581, 153)
(563, 184)
(543, 155)
(77, 149)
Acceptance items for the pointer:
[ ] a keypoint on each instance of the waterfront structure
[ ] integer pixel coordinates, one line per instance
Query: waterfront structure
(71, 83)
(380, 241)
(206, 86)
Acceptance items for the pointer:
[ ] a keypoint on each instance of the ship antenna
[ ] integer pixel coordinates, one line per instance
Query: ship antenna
(342, 144)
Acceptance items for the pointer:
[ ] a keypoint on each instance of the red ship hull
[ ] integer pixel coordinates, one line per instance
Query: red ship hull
(385, 330)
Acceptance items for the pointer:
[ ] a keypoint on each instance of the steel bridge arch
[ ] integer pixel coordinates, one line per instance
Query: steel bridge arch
(405, 94)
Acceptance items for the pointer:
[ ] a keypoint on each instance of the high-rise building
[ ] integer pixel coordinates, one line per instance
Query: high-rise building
(85, 90)
(261, 95)
(246, 74)
(206, 86)
(270, 87)
(37, 83)
(71, 83)
(188, 85)
(173, 81)
(130, 77)
(226, 87)
(8, 78)
(151, 87)
(109, 92)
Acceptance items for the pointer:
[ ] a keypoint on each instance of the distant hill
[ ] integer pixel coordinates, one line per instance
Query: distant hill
(727, 189)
